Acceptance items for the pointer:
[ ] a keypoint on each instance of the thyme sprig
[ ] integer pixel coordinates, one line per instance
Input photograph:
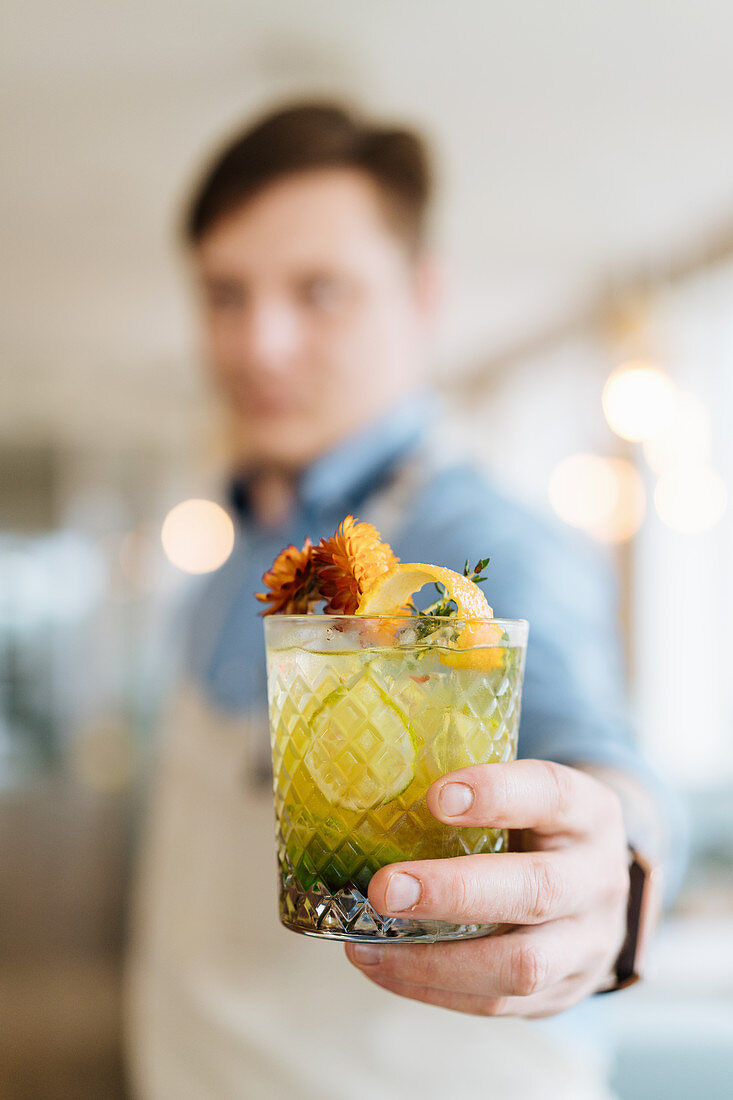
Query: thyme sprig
(444, 607)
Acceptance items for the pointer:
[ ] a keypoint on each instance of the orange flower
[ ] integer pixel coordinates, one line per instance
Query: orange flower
(292, 582)
(348, 563)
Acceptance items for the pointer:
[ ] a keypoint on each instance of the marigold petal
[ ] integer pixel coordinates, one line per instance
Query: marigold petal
(292, 582)
(348, 562)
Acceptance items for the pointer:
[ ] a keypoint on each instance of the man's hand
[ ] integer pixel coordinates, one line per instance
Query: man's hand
(563, 897)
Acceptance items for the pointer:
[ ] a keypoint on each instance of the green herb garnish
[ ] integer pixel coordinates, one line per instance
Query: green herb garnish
(444, 607)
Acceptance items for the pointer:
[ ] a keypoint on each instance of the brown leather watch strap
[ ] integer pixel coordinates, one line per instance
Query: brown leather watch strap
(641, 914)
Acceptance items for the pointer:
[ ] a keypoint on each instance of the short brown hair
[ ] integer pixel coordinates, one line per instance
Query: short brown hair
(310, 136)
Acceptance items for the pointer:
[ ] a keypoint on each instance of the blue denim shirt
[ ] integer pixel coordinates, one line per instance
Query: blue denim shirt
(574, 701)
(573, 706)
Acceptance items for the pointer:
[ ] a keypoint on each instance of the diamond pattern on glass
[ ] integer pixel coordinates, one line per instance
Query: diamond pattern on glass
(357, 739)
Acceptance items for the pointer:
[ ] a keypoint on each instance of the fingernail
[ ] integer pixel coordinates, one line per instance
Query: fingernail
(455, 799)
(367, 954)
(403, 891)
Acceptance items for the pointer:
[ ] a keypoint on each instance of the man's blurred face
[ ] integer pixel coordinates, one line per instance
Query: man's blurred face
(314, 314)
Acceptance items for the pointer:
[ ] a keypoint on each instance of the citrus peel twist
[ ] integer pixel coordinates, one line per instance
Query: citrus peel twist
(478, 642)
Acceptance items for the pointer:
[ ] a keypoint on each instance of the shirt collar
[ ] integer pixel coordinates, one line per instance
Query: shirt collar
(347, 473)
(354, 466)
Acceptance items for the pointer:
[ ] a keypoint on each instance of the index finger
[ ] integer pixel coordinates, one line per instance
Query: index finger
(506, 888)
(551, 799)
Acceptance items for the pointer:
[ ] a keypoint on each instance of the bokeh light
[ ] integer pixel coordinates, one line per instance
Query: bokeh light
(602, 496)
(197, 536)
(639, 401)
(687, 438)
(691, 500)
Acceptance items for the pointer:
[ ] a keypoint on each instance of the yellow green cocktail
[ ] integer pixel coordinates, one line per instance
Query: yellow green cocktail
(366, 713)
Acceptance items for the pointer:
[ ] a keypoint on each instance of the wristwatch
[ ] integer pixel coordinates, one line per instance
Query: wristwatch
(641, 914)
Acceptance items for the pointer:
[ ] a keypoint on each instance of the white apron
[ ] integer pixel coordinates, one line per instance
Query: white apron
(225, 1004)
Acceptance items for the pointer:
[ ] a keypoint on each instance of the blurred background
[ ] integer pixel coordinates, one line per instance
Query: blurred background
(585, 221)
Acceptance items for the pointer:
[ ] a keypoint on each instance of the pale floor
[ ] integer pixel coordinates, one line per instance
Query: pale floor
(59, 1031)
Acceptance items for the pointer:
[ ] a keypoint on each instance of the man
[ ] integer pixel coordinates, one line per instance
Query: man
(307, 242)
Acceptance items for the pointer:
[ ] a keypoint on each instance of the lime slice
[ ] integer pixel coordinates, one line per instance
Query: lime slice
(363, 748)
